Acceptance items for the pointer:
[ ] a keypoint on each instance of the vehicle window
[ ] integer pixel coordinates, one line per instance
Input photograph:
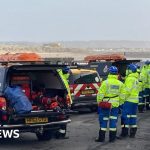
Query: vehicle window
(85, 78)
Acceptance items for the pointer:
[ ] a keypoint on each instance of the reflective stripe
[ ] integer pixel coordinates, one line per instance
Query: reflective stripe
(113, 117)
(126, 126)
(112, 129)
(96, 85)
(114, 101)
(133, 116)
(103, 129)
(147, 102)
(128, 116)
(127, 89)
(133, 126)
(105, 118)
(141, 103)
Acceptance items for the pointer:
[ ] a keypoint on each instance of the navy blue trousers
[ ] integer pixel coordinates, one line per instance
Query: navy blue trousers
(129, 115)
(106, 115)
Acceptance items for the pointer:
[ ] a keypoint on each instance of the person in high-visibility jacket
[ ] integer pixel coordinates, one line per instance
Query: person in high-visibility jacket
(111, 90)
(141, 104)
(145, 74)
(64, 74)
(129, 111)
(149, 82)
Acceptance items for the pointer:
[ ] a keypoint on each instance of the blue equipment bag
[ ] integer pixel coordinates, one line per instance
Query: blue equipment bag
(18, 100)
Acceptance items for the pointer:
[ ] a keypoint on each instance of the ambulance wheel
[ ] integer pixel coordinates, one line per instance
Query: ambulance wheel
(45, 136)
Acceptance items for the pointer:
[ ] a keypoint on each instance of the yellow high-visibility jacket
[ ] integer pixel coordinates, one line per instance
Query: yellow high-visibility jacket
(113, 90)
(144, 73)
(65, 77)
(132, 88)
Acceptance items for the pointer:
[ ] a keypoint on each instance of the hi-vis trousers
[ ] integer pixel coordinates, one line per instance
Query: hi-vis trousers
(106, 115)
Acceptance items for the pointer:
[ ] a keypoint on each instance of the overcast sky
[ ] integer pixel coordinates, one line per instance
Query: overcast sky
(68, 20)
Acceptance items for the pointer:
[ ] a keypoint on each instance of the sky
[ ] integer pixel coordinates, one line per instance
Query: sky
(74, 20)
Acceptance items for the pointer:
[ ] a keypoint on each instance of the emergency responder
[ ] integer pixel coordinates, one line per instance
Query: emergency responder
(111, 92)
(64, 74)
(141, 103)
(149, 82)
(145, 74)
(129, 111)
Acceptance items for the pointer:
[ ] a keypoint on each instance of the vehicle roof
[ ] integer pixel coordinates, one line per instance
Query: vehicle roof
(78, 71)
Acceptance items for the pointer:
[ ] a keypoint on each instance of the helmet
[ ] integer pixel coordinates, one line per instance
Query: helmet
(132, 67)
(138, 66)
(147, 62)
(113, 70)
(65, 70)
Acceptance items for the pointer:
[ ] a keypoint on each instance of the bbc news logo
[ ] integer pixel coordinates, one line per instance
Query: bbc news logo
(9, 134)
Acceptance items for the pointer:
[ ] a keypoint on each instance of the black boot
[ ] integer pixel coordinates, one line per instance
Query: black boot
(101, 137)
(124, 132)
(132, 132)
(112, 136)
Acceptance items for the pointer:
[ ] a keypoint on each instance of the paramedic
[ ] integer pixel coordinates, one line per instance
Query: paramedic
(64, 74)
(129, 112)
(145, 74)
(110, 95)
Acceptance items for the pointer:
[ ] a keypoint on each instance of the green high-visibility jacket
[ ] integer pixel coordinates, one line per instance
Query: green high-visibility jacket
(65, 77)
(113, 90)
(144, 73)
(142, 80)
(148, 76)
(132, 88)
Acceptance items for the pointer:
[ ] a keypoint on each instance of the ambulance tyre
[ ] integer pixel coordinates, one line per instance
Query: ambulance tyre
(45, 136)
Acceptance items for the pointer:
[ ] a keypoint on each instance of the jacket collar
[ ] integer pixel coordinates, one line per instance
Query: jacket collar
(110, 76)
(135, 75)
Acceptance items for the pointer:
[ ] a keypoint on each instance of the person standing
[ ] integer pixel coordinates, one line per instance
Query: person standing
(145, 73)
(109, 98)
(64, 74)
(141, 104)
(129, 111)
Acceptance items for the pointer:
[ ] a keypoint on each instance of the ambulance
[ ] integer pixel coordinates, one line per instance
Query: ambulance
(84, 85)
